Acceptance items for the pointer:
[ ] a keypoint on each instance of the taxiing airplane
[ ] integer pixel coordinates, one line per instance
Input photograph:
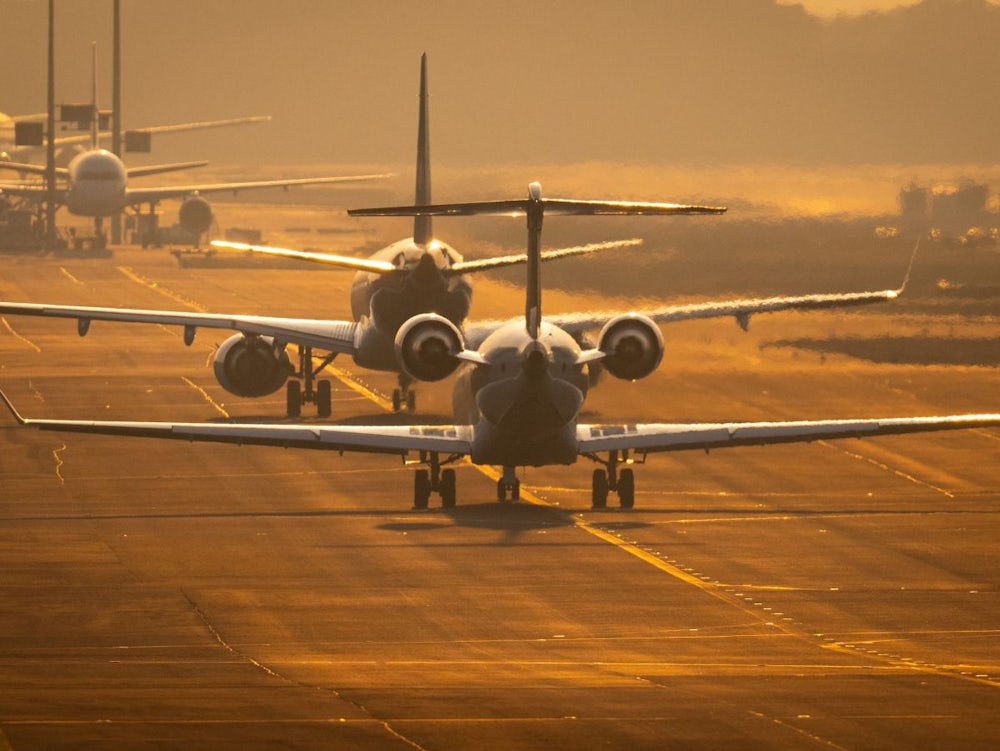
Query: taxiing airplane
(518, 398)
(418, 274)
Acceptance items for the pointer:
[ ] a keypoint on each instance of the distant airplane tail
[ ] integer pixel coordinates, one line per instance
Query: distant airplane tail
(94, 117)
(422, 230)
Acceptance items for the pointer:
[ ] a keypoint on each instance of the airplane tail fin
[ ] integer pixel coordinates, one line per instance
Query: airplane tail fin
(422, 231)
(94, 117)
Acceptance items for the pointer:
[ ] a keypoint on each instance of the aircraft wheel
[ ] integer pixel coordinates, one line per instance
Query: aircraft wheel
(515, 491)
(626, 488)
(599, 489)
(411, 401)
(293, 398)
(421, 488)
(324, 401)
(397, 400)
(447, 488)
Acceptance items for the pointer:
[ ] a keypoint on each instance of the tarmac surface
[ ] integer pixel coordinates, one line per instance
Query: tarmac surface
(835, 595)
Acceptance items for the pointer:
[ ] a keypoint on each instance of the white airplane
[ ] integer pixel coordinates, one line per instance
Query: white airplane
(518, 398)
(96, 183)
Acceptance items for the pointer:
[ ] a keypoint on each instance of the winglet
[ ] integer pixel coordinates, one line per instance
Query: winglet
(909, 268)
(13, 411)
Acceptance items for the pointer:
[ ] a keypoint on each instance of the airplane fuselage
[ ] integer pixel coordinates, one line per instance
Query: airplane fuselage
(381, 303)
(524, 402)
(97, 184)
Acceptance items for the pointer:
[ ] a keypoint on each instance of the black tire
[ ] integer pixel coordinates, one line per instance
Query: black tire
(599, 489)
(411, 401)
(293, 398)
(515, 491)
(421, 488)
(324, 400)
(448, 488)
(501, 491)
(626, 488)
(397, 400)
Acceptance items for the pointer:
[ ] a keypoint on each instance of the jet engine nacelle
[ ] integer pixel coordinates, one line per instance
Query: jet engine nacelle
(251, 366)
(632, 346)
(195, 215)
(426, 346)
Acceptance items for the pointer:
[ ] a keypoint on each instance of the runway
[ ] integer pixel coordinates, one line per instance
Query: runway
(836, 595)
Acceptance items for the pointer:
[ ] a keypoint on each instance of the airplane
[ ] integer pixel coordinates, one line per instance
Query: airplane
(518, 398)
(97, 183)
(418, 274)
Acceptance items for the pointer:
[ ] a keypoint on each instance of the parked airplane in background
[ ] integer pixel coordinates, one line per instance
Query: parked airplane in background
(96, 183)
(518, 399)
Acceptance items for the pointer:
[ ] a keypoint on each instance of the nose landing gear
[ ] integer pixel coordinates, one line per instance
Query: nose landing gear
(434, 480)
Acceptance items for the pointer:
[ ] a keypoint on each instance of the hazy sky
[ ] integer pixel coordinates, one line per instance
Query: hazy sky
(545, 81)
(828, 8)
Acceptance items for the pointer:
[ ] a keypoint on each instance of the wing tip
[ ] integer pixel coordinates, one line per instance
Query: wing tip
(12, 408)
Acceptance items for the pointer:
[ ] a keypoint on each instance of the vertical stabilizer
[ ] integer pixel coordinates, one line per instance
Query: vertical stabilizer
(533, 286)
(422, 224)
(93, 97)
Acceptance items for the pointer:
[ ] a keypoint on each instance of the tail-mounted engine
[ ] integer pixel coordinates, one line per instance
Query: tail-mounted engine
(195, 215)
(251, 366)
(426, 346)
(632, 346)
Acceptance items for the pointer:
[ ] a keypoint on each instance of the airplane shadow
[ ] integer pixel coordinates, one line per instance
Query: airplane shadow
(900, 350)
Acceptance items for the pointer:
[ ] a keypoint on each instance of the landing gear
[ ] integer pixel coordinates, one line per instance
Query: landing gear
(309, 389)
(508, 484)
(404, 395)
(610, 479)
(434, 480)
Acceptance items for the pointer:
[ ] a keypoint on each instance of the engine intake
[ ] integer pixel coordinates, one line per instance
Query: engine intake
(195, 215)
(251, 366)
(632, 346)
(426, 346)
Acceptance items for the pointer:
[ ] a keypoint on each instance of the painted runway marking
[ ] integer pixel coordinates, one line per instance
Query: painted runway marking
(69, 275)
(18, 336)
(887, 468)
(352, 382)
(205, 395)
(155, 286)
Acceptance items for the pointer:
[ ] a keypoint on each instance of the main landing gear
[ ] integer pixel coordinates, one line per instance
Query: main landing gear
(611, 479)
(404, 396)
(508, 485)
(434, 480)
(309, 389)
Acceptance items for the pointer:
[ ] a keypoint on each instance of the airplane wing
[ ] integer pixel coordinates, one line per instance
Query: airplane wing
(654, 437)
(387, 439)
(384, 267)
(346, 262)
(332, 336)
(152, 195)
(23, 190)
(32, 169)
(158, 169)
(175, 128)
(741, 310)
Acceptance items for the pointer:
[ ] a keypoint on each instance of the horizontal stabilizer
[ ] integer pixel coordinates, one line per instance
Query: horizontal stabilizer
(519, 207)
(485, 264)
